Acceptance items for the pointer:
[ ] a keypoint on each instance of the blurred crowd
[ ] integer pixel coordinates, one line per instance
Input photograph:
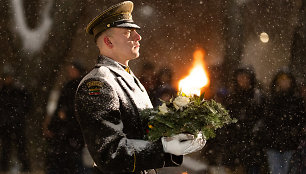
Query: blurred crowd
(270, 126)
(269, 136)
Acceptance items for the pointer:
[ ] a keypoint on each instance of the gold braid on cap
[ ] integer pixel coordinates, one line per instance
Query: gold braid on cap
(89, 27)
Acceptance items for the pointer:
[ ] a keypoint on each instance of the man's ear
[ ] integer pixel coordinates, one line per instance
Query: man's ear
(107, 42)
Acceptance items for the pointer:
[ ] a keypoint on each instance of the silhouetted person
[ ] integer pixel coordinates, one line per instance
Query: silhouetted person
(15, 104)
(284, 122)
(243, 140)
(65, 140)
(298, 160)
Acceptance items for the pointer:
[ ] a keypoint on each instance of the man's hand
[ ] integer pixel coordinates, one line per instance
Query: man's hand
(183, 144)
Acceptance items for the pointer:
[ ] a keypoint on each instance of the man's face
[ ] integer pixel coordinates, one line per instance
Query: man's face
(72, 72)
(125, 42)
(284, 83)
(244, 81)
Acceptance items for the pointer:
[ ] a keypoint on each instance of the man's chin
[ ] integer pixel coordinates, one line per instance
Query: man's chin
(135, 56)
(132, 55)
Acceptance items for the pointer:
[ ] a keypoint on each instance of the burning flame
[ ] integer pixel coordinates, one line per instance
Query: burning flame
(197, 78)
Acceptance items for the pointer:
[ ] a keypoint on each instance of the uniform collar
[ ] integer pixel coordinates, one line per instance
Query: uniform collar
(115, 66)
(119, 70)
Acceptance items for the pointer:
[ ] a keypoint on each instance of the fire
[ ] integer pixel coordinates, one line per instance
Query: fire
(197, 78)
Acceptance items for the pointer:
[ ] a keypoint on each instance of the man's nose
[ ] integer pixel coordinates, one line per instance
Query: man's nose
(137, 36)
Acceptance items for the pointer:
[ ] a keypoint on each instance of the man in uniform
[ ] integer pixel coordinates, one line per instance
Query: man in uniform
(109, 98)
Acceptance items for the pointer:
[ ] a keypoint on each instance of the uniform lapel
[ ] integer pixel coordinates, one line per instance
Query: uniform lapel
(142, 88)
(116, 68)
(128, 82)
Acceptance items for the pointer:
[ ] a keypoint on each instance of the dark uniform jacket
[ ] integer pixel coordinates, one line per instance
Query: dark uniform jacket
(108, 102)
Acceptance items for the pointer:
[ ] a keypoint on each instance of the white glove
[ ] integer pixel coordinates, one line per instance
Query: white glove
(183, 144)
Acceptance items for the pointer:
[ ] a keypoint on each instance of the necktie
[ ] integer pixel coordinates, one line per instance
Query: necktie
(127, 69)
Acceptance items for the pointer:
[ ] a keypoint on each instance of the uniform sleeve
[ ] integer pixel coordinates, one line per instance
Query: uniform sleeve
(98, 112)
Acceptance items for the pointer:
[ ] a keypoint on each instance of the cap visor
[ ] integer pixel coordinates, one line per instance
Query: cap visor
(128, 25)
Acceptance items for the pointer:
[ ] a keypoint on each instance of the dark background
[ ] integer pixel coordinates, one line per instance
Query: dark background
(171, 31)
